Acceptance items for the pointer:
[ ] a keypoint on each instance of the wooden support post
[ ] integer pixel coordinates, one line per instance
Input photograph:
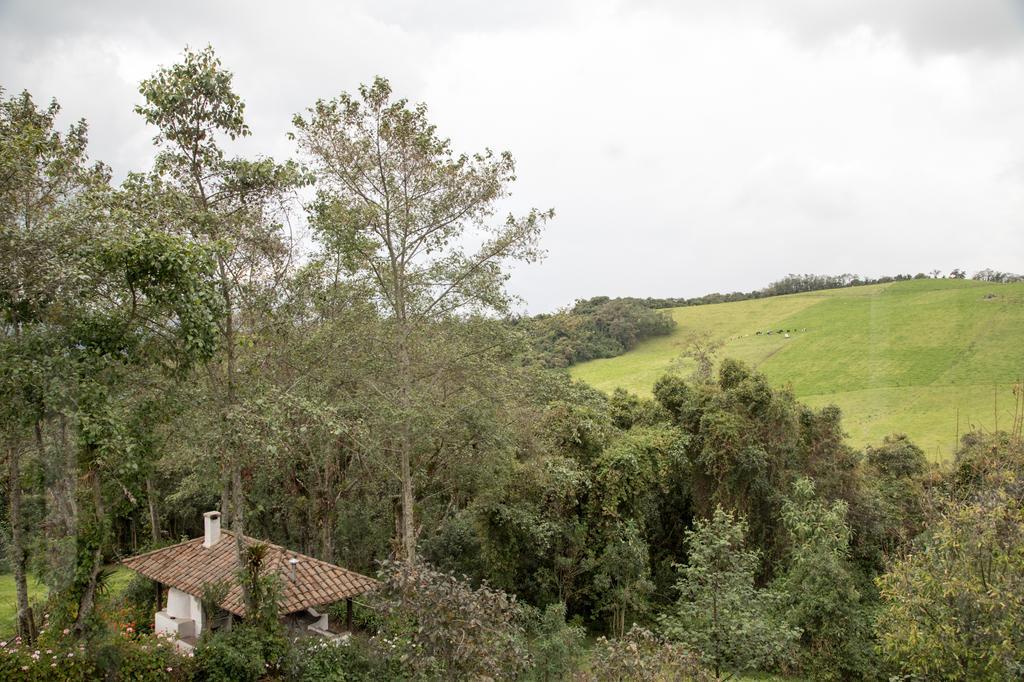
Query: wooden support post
(348, 614)
(159, 595)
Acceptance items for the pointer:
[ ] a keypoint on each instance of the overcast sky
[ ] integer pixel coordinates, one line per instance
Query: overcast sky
(687, 147)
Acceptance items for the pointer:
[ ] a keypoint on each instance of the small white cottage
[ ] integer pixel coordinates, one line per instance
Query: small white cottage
(185, 568)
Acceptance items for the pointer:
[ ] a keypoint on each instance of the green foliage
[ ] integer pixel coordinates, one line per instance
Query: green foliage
(533, 532)
(985, 461)
(596, 328)
(952, 607)
(141, 658)
(235, 655)
(261, 589)
(199, 78)
(556, 647)
(47, 664)
(258, 645)
(400, 213)
(820, 587)
(214, 594)
(720, 614)
(367, 148)
(631, 474)
(745, 441)
(438, 625)
(455, 547)
(628, 410)
(897, 457)
(165, 270)
(896, 499)
(642, 656)
(622, 577)
(581, 428)
(137, 602)
(313, 659)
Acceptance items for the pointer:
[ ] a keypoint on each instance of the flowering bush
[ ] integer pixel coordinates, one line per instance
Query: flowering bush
(131, 612)
(144, 658)
(44, 662)
(313, 659)
(56, 656)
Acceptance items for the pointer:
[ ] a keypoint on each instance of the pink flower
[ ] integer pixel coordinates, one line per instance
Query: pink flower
(67, 631)
(169, 669)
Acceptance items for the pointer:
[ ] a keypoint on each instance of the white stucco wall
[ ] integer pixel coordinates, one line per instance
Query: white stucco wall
(196, 607)
(178, 604)
(183, 616)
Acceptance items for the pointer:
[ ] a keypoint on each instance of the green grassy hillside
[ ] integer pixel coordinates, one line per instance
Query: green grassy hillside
(903, 357)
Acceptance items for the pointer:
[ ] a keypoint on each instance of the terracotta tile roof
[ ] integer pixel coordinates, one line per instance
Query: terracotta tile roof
(188, 566)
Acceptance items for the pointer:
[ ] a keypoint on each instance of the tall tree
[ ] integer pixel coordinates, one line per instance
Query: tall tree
(41, 169)
(820, 587)
(145, 303)
(720, 613)
(235, 205)
(401, 212)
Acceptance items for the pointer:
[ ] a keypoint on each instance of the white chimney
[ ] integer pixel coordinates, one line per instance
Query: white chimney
(211, 527)
(293, 563)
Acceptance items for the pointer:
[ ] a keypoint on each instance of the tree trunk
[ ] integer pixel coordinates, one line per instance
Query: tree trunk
(408, 521)
(61, 506)
(408, 539)
(225, 498)
(154, 517)
(234, 463)
(326, 520)
(87, 601)
(19, 558)
(714, 634)
(238, 522)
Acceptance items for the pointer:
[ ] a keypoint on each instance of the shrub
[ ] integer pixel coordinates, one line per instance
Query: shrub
(898, 457)
(440, 626)
(143, 658)
(642, 656)
(952, 608)
(720, 614)
(313, 659)
(45, 662)
(820, 588)
(232, 656)
(132, 611)
(555, 646)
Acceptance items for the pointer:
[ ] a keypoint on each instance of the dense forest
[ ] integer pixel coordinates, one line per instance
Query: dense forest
(598, 327)
(171, 347)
